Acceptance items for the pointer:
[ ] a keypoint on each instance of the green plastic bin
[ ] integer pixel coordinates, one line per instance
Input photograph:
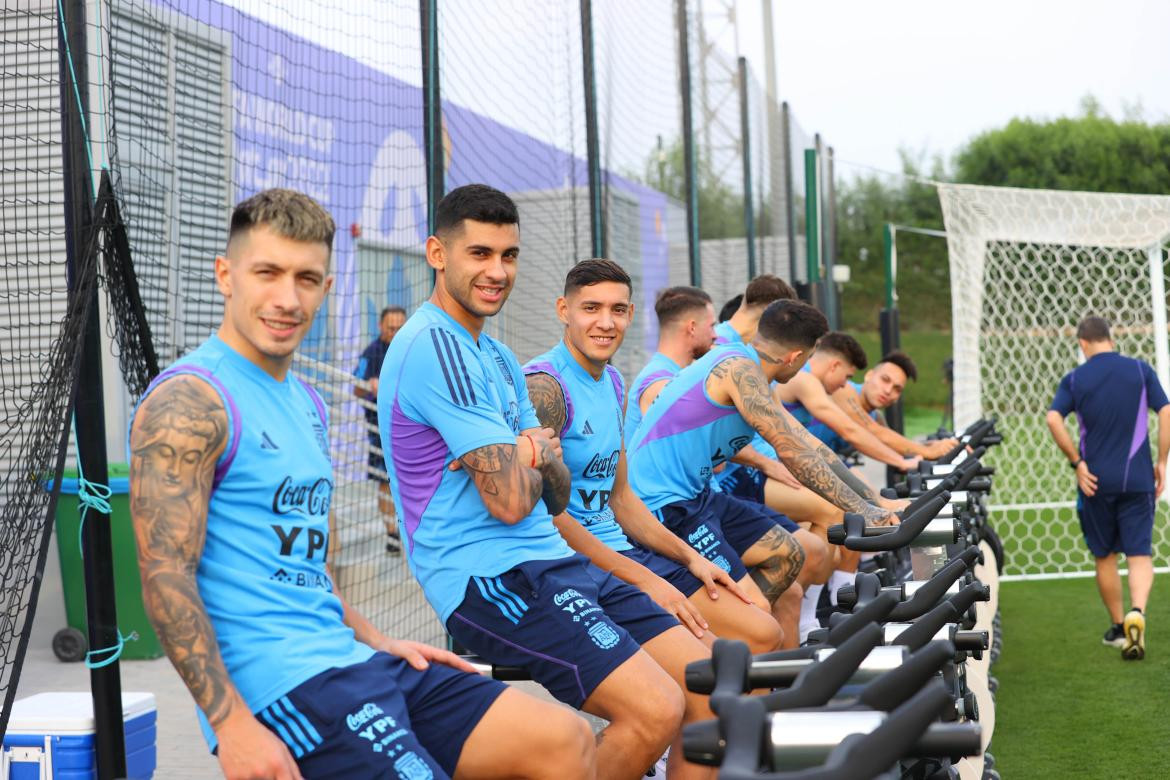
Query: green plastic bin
(70, 643)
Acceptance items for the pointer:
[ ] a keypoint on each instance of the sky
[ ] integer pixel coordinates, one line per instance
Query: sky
(928, 75)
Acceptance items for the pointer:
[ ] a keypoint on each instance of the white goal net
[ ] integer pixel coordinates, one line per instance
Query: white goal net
(1026, 267)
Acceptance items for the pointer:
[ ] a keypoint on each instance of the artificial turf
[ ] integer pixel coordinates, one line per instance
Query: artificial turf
(1069, 706)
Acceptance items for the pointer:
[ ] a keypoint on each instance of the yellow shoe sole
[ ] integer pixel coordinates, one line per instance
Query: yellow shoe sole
(1135, 637)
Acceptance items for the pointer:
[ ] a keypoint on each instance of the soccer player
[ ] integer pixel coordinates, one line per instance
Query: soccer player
(807, 397)
(709, 412)
(577, 393)
(230, 486)
(760, 292)
(368, 368)
(1117, 484)
(686, 332)
(477, 481)
(882, 387)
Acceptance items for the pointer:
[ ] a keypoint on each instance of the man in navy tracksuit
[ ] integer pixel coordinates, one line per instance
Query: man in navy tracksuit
(1117, 481)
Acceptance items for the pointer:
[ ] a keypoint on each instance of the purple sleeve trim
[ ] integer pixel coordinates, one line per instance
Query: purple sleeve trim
(619, 387)
(317, 402)
(543, 367)
(225, 460)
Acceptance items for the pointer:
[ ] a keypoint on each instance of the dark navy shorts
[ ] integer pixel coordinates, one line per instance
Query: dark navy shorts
(568, 623)
(671, 571)
(381, 718)
(744, 482)
(722, 527)
(1117, 522)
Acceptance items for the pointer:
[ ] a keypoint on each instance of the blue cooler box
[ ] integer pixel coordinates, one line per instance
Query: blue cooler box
(50, 737)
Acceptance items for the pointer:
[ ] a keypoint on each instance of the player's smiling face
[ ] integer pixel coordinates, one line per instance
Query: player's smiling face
(596, 318)
(272, 288)
(884, 385)
(478, 266)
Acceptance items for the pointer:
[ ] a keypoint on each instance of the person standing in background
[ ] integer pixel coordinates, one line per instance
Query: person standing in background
(1117, 483)
(369, 367)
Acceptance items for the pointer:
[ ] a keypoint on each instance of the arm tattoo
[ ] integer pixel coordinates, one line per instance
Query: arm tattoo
(796, 447)
(556, 479)
(178, 435)
(503, 483)
(783, 560)
(548, 399)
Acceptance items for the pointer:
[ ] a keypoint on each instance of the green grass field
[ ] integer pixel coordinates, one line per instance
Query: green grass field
(1068, 706)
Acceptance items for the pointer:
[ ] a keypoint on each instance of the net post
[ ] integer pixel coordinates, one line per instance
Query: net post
(829, 241)
(749, 222)
(1158, 305)
(812, 231)
(88, 406)
(592, 139)
(789, 202)
(690, 178)
(432, 108)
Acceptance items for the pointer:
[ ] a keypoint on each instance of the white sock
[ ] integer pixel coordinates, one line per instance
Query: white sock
(837, 580)
(808, 610)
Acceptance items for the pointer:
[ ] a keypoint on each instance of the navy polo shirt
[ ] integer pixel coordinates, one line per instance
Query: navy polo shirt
(1110, 394)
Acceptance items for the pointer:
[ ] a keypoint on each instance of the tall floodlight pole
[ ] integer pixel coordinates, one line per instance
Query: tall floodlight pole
(829, 241)
(745, 130)
(690, 177)
(789, 186)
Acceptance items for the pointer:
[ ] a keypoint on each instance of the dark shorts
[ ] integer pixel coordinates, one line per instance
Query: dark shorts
(377, 463)
(1117, 522)
(722, 527)
(568, 623)
(671, 571)
(381, 718)
(744, 482)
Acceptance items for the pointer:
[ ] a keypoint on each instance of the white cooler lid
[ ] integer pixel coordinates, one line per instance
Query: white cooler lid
(68, 712)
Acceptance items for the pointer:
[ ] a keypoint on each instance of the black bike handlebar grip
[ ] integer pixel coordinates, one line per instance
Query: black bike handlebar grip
(949, 740)
(972, 641)
(992, 439)
(702, 743)
(966, 598)
(952, 453)
(926, 597)
(915, 519)
(726, 671)
(979, 485)
(970, 555)
(888, 492)
(895, 686)
(818, 683)
(744, 727)
(924, 629)
(875, 610)
(866, 585)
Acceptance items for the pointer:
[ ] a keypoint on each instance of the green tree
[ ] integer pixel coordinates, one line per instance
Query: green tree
(864, 205)
(1091, 152)
(720, 206)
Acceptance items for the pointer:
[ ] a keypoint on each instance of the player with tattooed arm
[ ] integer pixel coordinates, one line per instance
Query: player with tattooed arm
(230, 486)
(477, 480)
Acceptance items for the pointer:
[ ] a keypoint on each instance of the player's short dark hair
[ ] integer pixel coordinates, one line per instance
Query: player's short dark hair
(766, 288)
(478, 202)
(1093, 329)
(288, 213)
(902, 361)
(792, 323)
(730, 308)
(594, 271)
(673, 303)
(845, 346)
(391, 310)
